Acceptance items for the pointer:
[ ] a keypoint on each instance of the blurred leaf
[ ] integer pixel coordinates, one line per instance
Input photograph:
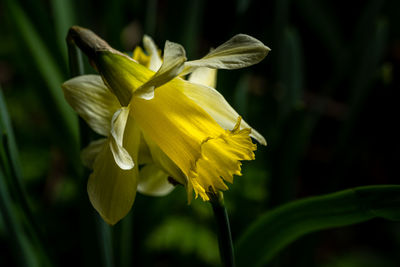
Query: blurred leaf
(187, 237)
(32, 248)
(150, 23)
(360, 258)
(291, 72)
(363, 80)
(63, 20)
(10, 161)
(241, 94)
(6, 129)
(321, 19)
(242, 6)
(283, 225)
(191, 29)
(294, 131)
(46, 66)
(26, 254)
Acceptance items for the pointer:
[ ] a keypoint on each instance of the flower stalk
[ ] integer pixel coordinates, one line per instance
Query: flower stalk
(223, 230)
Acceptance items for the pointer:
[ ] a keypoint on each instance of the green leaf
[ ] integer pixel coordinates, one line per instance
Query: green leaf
(280, 227)
(18, 238)
(17, 212)
(47, 66)
(63, 19)
(291, 72)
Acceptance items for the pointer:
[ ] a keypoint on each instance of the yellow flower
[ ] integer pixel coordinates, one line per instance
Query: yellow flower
(176, 130)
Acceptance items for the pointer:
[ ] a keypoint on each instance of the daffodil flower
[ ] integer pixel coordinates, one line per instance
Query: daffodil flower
(159, 129)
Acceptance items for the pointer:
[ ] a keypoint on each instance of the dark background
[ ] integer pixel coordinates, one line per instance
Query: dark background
(325, 98)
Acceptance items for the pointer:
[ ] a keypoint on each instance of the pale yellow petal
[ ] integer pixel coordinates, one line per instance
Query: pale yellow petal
(118, 123)
(215, 104)
(92, 100)
(172, 66)
(151, 48)
(89, 153)
(112, 190)
(238, 52)
(204, 76)
(153, 181)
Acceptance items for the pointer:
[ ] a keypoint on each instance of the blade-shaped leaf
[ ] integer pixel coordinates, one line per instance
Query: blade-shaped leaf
(279, 227)
(46, 65)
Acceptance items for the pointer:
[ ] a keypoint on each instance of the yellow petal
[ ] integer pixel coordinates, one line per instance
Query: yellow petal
(92, 100)
(122, 74)
(204, 76)
(238, 52)
(153, 181)
(112, 190)
(187, 134)
(172, 66)
(140, 56)
(89, 153)
(164, 162)
(217, 107)
(118, 123)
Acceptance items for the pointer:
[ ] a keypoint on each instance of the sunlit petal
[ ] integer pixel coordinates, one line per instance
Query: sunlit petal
(215, 104)
(194, 143)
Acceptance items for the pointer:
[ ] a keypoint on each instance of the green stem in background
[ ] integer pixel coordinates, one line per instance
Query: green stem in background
(124, 240)
(223, 230)
(106, 239)
(150, 22)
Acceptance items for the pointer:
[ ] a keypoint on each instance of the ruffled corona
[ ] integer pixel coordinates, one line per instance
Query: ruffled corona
(224, 151)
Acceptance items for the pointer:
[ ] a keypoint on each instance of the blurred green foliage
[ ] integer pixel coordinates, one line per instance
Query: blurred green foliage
(324, 98)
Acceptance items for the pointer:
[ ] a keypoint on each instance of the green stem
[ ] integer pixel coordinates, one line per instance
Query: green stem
(106, 240)
(223, 230)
